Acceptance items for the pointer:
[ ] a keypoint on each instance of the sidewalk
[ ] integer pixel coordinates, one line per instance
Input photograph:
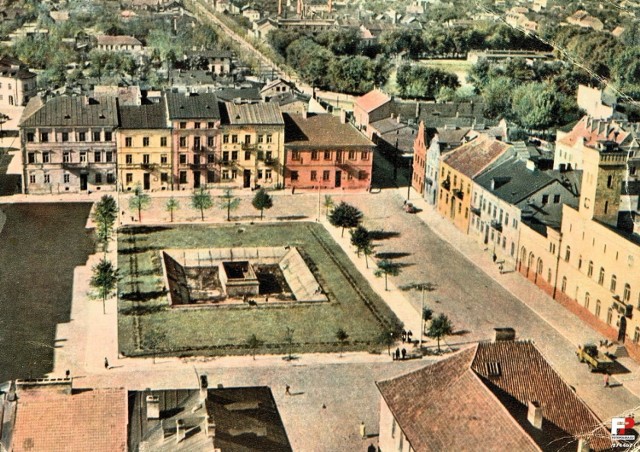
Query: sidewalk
(543, 305)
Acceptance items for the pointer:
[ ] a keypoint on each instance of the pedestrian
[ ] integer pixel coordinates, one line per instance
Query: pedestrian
(606, 380)
(371, 448)
(495, 258)
(363, 430)
(409, 334)
(287, 390)
(404, 336)
(397, 353)
(67, 373)
(106, 363)
(404, 353)
(293, 190)
(500, 267)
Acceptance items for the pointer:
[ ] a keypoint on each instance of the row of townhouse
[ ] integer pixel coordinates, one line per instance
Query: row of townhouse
(569, 231)
(184, 142)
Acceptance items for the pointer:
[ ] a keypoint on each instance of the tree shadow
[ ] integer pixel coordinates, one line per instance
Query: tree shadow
(391, 255)
(141, 310)
(460, 333)
(383, 235)
(142, 296)
(143, 229)
(292, 217)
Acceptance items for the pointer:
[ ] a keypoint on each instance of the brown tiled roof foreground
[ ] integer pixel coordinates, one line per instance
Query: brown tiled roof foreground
(456, 404)
(475, 156)
(89, 420)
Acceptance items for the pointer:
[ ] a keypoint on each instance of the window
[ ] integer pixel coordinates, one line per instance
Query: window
(196, 159)
(108, 136)
(96, 136)
(325, 175)
(32, 178)
(327, 155)
(626, 295)
(164, 159)
(183, 125)
(351, 155)
(164, 177)
(98, 178)
(225, 138)
(269, 155)
(46, 157)
(636, 335)
(225, 156)
(609, 181)
(606, 206)
(129, 178)
(183, 142)
(66, 157)
(247, 155)
(47, 179)
(66, 178)
(314, 155)
(196, 143)
(30, 136)
(163, 141)
(601, 276)
(612, 286)
(234, 155)
(295, 155)
(294, 175)
(234, 138)
(364, 155)
(234, 173)
(82, 136)
(83, 157)
(567, 253)
(97, 157)
(65, 136)
(267, 174)
(183, 177)
(210, 141)
(260, 155)
(587, 299)
(260, 138)
(225, 174)
(211, 125)
(196, 125)
(269, 138)
(556, 199)
(590, 269)
(314, 175)
(545, 199)
(111, 178)
(128, 159)
(211, 158)
(247, 139)
(146, 159)
(598, 306)
(128, 141)
(145, 141)
(211, 177)
(44, 137)
(580, 262)
(563, 286)
(259, 174)
(506, 219)
(393, 427)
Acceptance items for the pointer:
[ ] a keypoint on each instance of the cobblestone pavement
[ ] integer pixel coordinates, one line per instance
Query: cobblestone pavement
(470, 291)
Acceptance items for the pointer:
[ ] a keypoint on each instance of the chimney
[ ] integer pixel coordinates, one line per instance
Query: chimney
(153, 407)
(180, 430)
(204, 385)
(417, 109)
(398, 119)
(504, 334)
(279, 8)
(534, 416)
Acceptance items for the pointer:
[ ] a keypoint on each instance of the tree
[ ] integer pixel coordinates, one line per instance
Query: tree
(229, 202)
(328, 203)
(104, 216)
(345, 216)
(153, 339)
(427, 314)
(262, 200)
(342, 337)
(386, 337)
(104, 280)
(360, 238)
(387, 268)
(288, 338)
(254, 343)
(440, 327)
(496, 95)
(201, 200)
(367, 251)
(171, 206)
(139, 201)
(535, 106)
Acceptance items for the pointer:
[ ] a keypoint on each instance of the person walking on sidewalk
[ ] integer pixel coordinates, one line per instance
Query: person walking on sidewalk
(106, 363)
(287, 390)
(606, 380)
(363, 430)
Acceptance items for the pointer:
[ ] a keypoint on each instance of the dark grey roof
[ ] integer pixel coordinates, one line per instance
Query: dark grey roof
(75, 111)
(229, 94)
(512, 181)
(193, 106)
(148, 116)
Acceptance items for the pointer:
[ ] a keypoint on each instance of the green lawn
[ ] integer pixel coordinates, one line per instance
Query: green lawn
(145, 317)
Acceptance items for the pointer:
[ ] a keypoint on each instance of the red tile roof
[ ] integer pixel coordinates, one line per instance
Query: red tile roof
(92, 420)
(474, 157)
(592, 131)
(321, 131)
(455, 404)
(372, 100)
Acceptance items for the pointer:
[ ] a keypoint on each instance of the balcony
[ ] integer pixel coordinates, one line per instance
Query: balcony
(458, 193)
(475, 211)
(446, 184)
(248, 147)
(497, 225)
(197, 148)
(75, 165)
(149, 166)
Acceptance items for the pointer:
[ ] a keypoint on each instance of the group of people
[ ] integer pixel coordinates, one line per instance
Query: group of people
(399, 353)
(406, 336)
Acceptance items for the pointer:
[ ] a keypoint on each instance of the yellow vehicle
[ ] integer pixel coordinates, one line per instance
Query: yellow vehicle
(597, 361)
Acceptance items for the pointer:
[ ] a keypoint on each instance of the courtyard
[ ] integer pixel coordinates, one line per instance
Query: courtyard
(335, 297)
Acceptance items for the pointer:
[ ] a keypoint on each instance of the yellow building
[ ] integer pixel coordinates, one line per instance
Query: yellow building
(252, 152)
(144, 148)
(457, 171)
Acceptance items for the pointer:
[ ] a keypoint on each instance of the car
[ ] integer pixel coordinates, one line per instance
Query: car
(410, 208)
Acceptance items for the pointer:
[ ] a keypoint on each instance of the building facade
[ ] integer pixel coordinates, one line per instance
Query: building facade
(17, 83)
(418, 180)
(69, 144)
(253, 145)
(144, 148)
(324, 151)
(195, 123)
(372, 107)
